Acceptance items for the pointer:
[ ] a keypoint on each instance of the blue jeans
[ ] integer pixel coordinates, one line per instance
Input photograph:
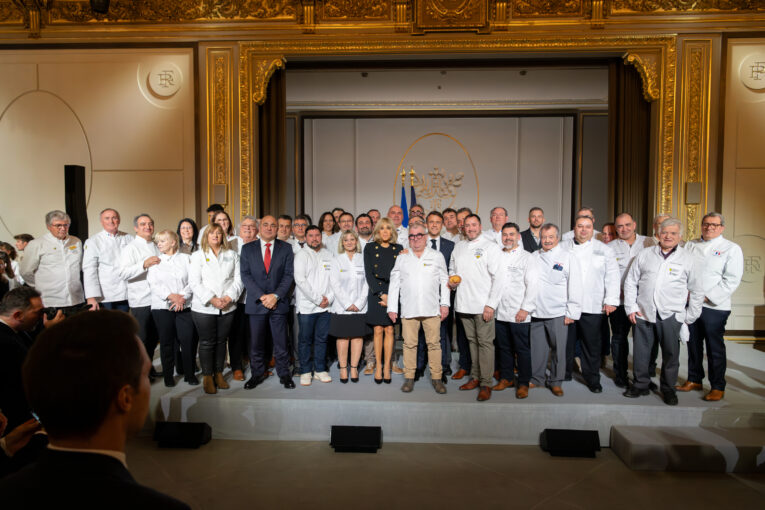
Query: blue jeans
(313, 331)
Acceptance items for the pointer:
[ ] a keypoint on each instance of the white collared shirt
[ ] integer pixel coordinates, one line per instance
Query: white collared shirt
(476, 262)
(419, 283)
(599, 274)
(517, 284)
(560, 284)
(214, 276)
(659, 286)
(131, 269)
(721, 267)
(625, 254)
(52, 266)
(170, 276)
(100, 266)
(348, 282)
(312, 271)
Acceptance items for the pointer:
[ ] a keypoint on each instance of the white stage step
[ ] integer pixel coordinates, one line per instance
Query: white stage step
(715, 449)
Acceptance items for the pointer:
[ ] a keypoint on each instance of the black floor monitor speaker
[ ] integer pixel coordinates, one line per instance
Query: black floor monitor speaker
(354, 439)
(74, 199)
(570, 443)
(176, 434)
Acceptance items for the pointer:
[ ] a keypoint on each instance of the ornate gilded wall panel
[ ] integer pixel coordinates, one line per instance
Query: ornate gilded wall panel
(627, 7)
(355, 10)
(9, 13)
(219, 95)
(694, 131)
(451, 15)
(539, 8)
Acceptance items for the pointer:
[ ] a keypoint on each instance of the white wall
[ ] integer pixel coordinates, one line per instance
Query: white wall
(514, 162)
(94, 108)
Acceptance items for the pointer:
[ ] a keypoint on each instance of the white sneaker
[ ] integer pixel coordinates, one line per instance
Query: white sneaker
(305, 379)
(322, 376)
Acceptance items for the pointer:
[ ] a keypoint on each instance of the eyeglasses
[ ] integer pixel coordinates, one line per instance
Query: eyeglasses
(416, 236)
(60, 225)
(711, 225)
(299, 225)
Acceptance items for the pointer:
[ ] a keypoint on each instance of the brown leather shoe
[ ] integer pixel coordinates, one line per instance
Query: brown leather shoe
(557, 391)
(522, 392)
(459, 374)
(503, 384)
(396, 369)
(370, 369)
(209, 385)
(714, 396)
(220, 382)
(470, 385)
(272, 363)
(238, 375)
(496, 375)
(688, 386)
(484, 394)
(532, 385)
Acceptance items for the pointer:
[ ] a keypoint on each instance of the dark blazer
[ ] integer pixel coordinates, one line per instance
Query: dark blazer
(446, 247)
(529, 244)
(277, 281)
(13, 350)
(80, 480)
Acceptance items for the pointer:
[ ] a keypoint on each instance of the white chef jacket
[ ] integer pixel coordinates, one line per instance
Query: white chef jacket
(518, 284)
(560, 284)
(131, 269)
(171, 276)
(15, 267)
(419, 283)
(600, 274)
(53, 267)
(449, 237)
(100, 266)
(363, 242)
(312, 279)
(295, 246)
(658, 286)
(348, 282)
(477, 263)
(211, 276)
(495, 236)
(403, 236)
(569, 236)
(721, 266)
(625, 254)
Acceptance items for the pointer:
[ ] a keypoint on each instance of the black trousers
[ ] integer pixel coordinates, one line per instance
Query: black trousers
(238, 342)
(213, 330)
(514, 338)
(147, 330)
(620, 347)
(175, 328)
(589, 330)
(708, 329)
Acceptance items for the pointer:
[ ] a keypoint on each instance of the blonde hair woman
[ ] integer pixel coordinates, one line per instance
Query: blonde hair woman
(216, 285)
(348, 282)
(379, 257)
(170, 307)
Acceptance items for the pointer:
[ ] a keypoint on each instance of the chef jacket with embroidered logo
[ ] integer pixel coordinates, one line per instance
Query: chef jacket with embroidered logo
(52, 267)
(214, 276)
(100, 266)
(518, 284)
(170, 276)
(600, 274)
(348, 282)
(476, 262)
(560, 284)
(420, 284)
(721, 267)
(131, 269)
(312, 279)
(625, 254)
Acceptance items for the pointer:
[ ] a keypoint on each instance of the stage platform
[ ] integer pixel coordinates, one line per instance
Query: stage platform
(270, 412)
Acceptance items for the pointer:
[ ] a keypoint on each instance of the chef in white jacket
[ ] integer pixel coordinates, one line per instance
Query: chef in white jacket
(721, 266)
(559, 303)
(136, 259)
(104, 288)
(313, 298)
(476, 262)
(517, 287)
(170, 308)
(418, 282)
(662, 294)
(600, 296)
(52, 263)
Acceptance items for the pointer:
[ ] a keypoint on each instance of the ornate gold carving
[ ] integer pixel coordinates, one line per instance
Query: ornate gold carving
(437, 186)
(401, 15)
(309, 16)
(220, 111)
(219, 120)
(262, 71)
(694, 159)
(684, 6)
(10, 13)
(451, 15)
(333, 10)
(536, 8)
(31, 11)
(596, 14)
(500, 11)
(648, 65)
(175, 11)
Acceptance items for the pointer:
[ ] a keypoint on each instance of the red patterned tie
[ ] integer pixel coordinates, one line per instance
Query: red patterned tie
(267, 258)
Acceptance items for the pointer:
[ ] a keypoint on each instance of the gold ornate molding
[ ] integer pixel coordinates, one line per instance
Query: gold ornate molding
(694, 130)
(355, 10)
(661, 7)
(219, 62)
(648, 65)
(451, 15)
(538, 8)
(262, 70)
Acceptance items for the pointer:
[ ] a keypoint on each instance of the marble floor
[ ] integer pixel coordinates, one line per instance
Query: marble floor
(285, 474)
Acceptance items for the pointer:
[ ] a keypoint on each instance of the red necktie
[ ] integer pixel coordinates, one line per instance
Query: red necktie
(267, 258)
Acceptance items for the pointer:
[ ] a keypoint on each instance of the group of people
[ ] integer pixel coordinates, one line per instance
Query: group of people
(285, 293)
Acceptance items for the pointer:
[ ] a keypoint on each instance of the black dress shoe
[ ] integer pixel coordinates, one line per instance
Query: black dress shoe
(652, 386)
(192, 380)
(670, 398)
(447, 370)
(254, 381)
(287, 382)
(620, 382)
(596, 388)
(169, 383)
(154, 373)
(633, 392)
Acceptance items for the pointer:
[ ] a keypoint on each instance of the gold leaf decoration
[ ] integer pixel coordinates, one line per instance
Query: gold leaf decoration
(528, 8)
(684, 6)
(333, 10)
(9, 13)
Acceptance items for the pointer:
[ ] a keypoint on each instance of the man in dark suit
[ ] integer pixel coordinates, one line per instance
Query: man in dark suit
(88, 380)
(530, 236)
(267, 273)
(435, 222)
